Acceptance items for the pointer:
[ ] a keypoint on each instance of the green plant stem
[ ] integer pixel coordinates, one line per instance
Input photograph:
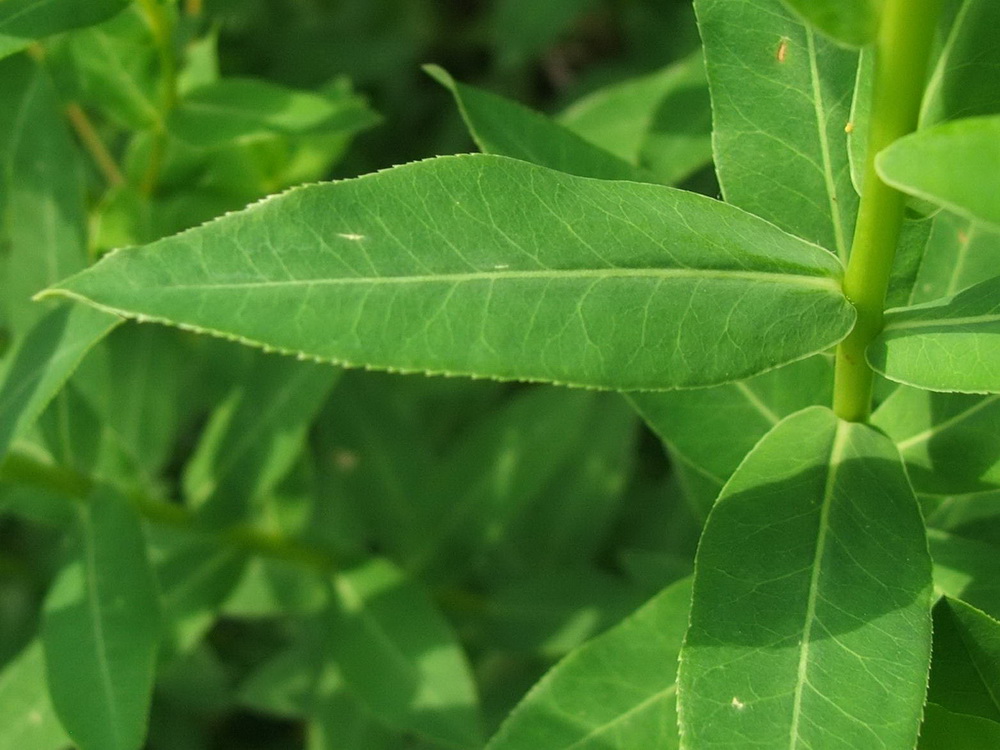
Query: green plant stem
(93, 144)
(162, 27)
(902, 51)
(21, 468)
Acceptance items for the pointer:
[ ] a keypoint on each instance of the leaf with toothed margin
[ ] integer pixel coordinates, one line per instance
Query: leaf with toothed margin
(810, 617)
(491, 267)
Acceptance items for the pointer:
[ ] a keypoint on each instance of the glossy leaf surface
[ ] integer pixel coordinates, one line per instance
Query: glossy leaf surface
(551, 277)
(102, 629)
(615, 692)
(947, 345)
(965, 672)
(810, 621)
(954, 165)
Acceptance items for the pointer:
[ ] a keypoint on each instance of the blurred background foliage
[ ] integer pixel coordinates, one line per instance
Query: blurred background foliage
(530, 517)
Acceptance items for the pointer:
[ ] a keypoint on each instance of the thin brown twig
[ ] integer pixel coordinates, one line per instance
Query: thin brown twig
(92, 142)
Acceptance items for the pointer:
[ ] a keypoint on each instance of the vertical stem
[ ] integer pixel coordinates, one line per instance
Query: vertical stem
(162, 26)
(92, 142)
(902, 51)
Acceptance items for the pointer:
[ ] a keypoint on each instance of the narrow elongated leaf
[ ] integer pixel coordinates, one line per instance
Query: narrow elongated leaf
(617, 692)
(37, 369)
(947, 345)
(505, 128)
(851, 21)
(255, 435)
(781, 99)
(101, 629)
(397, 654)
(27, 720)
(23, 21)
(481, 265)
(41, 191)
(232, 109)
(950, 442)
(810, 620)
(954, 165)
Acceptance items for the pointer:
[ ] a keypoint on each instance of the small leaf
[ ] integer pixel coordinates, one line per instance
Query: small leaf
(954, 165)
(101, 630)
(399, 656)
(22, 21)
(482, 265)
(810, 619)
(853, 22)
(41, 363)
(617, 691)
(27, 720)
(234, 109)
(966, 569)
(947, 345)
(506, 128)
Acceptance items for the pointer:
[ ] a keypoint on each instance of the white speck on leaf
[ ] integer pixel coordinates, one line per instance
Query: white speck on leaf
(351, 236)
(737, 704)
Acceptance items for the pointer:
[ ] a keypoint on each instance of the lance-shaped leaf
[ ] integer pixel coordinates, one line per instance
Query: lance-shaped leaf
(781, 100)
(852, 21)
(947, 345)
(101, 630)
(487, 266)
(810, 618)
(617, 691)
(954, 165)
(23, 21)
(506, 128)
(42, 361)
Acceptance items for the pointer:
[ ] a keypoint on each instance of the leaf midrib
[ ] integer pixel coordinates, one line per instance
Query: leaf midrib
(772, 277)
(836, 456)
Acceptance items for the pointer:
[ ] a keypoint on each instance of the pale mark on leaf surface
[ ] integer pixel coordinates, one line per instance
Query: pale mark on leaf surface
(351, 236)
(738, 704)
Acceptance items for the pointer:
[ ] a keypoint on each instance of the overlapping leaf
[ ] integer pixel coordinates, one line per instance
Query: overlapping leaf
(852, 21)
(38, 368)
(616, 692)
(481, 265)
(954, 165)
(947, 345)
(27, 719)
(23, 21)
(781, 100)
(810, 620)
(101, 629)
(506, 128)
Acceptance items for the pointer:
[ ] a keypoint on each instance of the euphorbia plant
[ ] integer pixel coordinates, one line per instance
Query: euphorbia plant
(816, 352)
